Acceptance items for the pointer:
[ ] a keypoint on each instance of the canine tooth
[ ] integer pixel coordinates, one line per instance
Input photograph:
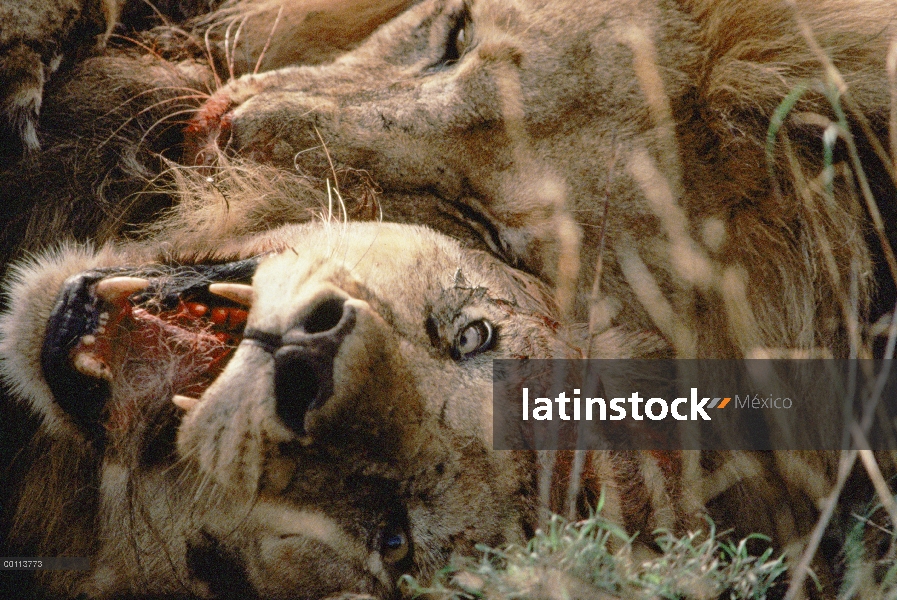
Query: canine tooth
(237, 292)
(92, 366)
(118, 288)
(88, 340)
(184, 402)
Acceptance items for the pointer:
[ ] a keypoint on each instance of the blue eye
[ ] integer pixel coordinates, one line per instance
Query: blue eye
(394, 546)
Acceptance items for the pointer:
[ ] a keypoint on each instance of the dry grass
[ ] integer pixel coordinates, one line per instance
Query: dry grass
(574, 559)
(595, 559)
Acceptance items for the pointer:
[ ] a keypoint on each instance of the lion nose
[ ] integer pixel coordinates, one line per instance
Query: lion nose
(303, 364)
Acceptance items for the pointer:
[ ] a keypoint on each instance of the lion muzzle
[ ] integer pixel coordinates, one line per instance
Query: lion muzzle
(297, 380)
(304, 357)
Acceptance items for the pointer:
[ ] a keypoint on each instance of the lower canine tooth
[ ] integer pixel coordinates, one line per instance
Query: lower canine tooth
(91, 366)
(119, 288)
(184, 402)
(237, 292)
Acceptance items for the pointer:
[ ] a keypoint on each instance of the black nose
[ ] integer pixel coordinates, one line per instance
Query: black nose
(303, 364)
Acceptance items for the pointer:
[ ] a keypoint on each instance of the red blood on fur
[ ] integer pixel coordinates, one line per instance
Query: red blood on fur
(208, 131)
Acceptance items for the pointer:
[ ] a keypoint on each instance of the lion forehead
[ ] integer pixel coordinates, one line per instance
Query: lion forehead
(402, 268)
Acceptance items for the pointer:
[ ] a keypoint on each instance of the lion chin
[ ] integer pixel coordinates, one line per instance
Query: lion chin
(304, 422)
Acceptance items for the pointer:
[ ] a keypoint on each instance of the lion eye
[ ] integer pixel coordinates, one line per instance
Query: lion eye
(457, 42)
(394, 545)
(474, 338)
(461, 41)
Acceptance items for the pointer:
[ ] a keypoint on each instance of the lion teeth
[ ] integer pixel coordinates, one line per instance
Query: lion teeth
(237, 292)
(88, 340)
(184, 402)
(116, 289)
(90, 365)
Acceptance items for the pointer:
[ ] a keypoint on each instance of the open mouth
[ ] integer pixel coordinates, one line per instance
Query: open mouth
(164, 331)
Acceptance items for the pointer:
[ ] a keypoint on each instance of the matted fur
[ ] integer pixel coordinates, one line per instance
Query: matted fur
(34, 39)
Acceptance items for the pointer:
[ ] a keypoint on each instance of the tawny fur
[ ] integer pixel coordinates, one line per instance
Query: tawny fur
(145, 512)
(260, 35)
(654, 111)
(658, 111)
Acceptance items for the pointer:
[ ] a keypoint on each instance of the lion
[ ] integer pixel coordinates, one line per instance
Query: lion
(304, 413)
(631, 138)
(615, 153)
(307, 411)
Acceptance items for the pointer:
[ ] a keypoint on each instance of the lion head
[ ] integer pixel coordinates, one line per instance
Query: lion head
(310, 418)
(634, 135)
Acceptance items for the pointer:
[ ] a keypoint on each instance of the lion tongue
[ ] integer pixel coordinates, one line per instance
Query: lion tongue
(196, 338)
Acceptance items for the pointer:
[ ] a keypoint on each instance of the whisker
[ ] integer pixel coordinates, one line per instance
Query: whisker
(258, 63)
(233, 54)
(189, 110)
(210, 56)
